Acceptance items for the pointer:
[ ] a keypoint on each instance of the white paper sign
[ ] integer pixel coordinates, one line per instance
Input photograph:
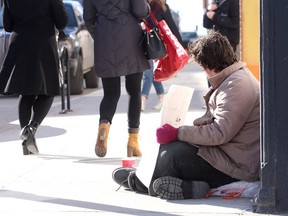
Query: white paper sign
(175, 105)
(174, 109)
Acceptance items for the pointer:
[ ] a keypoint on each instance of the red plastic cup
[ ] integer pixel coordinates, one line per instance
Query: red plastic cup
(128, 162)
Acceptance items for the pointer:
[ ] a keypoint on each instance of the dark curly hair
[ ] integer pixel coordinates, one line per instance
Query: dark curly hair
(212, 51)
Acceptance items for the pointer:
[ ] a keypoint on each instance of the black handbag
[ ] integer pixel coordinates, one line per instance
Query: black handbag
(154, 47)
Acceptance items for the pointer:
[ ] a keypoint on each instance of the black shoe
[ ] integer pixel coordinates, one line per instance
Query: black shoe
(25, 150)
(151, 190)
(31, 144)
(172, 188)
(135, 184)
(25, 132)
(28, 135)
(120, 176)
(28, 130)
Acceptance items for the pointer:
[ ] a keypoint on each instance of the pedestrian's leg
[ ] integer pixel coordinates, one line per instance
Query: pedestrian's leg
(25, 104)
(147, 83)
(133, 87)
(112, 91)
(41, 108)
(160, 93)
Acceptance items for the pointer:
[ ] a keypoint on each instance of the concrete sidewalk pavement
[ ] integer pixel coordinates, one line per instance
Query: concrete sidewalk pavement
(66, 178)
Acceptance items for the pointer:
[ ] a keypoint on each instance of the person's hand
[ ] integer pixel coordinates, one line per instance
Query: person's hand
(143, 25)
(212, 7)
(210, 14)
(166, 134)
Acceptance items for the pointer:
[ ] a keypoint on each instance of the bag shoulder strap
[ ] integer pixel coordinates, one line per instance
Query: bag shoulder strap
(152, 23)
(221, 2)
(153, 18)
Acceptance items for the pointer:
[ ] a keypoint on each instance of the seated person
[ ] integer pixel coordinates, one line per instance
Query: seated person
(222, 146)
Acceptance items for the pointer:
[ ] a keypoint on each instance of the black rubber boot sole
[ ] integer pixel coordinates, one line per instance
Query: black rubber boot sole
(172, 188)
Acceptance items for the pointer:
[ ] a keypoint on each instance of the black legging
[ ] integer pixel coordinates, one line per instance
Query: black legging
(112, 92)
(40, 105)
(180, 160)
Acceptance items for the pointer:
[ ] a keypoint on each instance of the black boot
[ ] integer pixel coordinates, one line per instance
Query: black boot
(28, 135)
(120, 176)
(29, 129)
(135, 184)
(25, 150)
(171, 188)
(24, 147)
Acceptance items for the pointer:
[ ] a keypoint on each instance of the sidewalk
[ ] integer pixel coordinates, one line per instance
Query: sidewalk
(66, 178)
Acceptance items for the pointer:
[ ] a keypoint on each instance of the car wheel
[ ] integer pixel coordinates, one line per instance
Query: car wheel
(91, 79)
(76, 82)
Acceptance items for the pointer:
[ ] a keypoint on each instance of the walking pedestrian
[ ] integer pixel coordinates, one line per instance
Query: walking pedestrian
(161, 11)
(223, 16)
(148, 81)
(115, 28)
(31, 65)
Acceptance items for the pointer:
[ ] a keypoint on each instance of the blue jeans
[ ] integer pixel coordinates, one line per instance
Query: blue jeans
(148, 80)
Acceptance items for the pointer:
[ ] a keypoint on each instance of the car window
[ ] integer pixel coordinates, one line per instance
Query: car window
(75, 14)
(79, 13)
(72, 20)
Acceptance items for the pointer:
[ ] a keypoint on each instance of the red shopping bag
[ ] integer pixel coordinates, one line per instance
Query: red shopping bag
(176, 58)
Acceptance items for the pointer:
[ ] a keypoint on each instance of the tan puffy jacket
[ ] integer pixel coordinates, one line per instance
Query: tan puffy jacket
(228, 135)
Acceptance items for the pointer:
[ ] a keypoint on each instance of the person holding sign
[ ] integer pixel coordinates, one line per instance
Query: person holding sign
(222, 146)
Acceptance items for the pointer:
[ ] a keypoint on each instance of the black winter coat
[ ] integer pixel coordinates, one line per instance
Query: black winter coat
(167, 16)
(226, 20)
(115, 28)
(31, 64)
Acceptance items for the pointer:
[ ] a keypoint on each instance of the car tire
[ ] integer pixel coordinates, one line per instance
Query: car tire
(91, 79)
(76, 82)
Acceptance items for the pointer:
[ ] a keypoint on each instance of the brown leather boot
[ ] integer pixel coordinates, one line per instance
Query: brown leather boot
(133, 146)
(101, 144)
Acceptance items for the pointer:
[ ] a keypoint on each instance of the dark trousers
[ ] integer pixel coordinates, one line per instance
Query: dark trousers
(33, 108)
(180, 160)
(112, 92)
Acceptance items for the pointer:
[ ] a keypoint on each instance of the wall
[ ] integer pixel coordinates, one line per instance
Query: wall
(250, 35)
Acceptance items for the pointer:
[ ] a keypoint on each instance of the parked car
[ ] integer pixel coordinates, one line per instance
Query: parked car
(4, 40)
(188, 37)
(77, 50)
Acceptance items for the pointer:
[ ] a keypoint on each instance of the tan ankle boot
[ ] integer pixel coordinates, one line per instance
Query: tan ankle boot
(133, 146)
(101, 144)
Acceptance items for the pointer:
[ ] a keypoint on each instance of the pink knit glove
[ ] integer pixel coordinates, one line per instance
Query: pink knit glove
(166, 134)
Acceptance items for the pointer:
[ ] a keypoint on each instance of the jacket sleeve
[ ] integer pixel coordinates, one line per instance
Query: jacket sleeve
(172, 25)
(232, 19)
(207, 23)
(7, 18)
(229, 116)
(90, 16)
(140, 9)
(59, 14)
